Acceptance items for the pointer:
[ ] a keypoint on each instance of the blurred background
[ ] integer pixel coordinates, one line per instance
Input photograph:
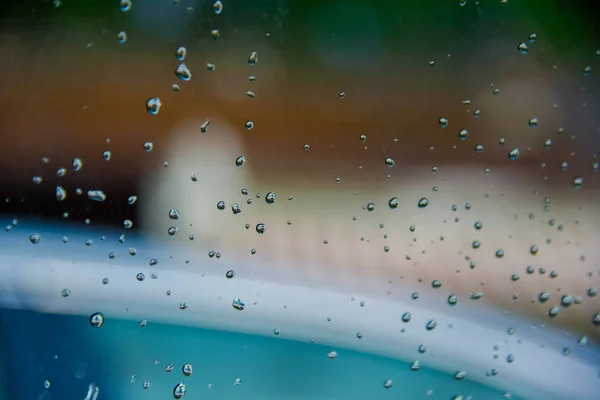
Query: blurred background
(450, 86)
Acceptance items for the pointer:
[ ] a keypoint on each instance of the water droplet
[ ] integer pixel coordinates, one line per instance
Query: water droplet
(476, 244)
(460, 375)
(37, 180)
(240, 161)
(415, 295)
(216, 34)
(422, 349)
(443, 122)
(544, 297)
(230, 274)
(179, 391)
(533, 122)
(423, 202)
(221, 205)
(173, 213)
(436, 284)
(34, 238)
(204, 126)
(172, 230)
(126, 5)
(389, 161)
(131, 200)
(97, 320)
(148, 146)
(249, 125)
(260, 228)
(96, 195)
(577, 182)
(592, 292)
(181, 53)
(523, 48)
(499, 253)
(431, 324)
(462, 2)
(587, 70)
(183, 72)
(332, 354)
(238, 305)
(153, 105)
(270, 198)
(127, 224)
(65, 293)
(452, 300)
(513, 154)
(463, 134)
(416, 365)
(553, 312)
(393, 203)
(387, 384)
(583, 341)
(61, 193)
(479, 148)
(406, 317)
(371, 207)
(253, 58)
(122, 37)
(532, 37)
(187, 369)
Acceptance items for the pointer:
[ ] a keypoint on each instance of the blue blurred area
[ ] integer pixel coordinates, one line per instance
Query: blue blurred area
(70, 354)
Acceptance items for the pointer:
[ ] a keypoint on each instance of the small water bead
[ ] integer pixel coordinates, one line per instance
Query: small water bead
(553, 273)
(592, 292)
(476, 113)
(253, 58)
(126, 5)
(371, 207)
(583, 341)
(452, 300)
(476, 296)
(431, 324)
(107, 155)
(187, 369)
(514, 154)
(77, 164)
(175, 87)
(499, 253)
(37, 180)
(65, 293)
(122, 37)
(460, 375)
(422, 349)
(249, 125)
(217, 7)
(173, 213)
(127, 224)
(406, 317)
(476, 244)
(145, 385)
(415, 295)
(204, 126)
(240, 161)
(596, 319)
(61, 172)
(443, 122)
(61, 193)
(566, 300)
(387, 384)
(515, 277)
(140, 277)
(261, 228)
(131, 200)
(533, 122)
(34, 238)
(389, 161)
(577, 182)
(179, 391)
(270, 198)
(423, 202)
(215, 34)
(230, 274)
(553, 312)
(416, 365)
(587, 70)
(183, 72)
(97, 320)
(463, 134)
(148, 146)
(181, 53)
(436, 284)
(172, 230)
(510, 358)
(544, 297)
(523, 48)
(153, 105)
(479, 148)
